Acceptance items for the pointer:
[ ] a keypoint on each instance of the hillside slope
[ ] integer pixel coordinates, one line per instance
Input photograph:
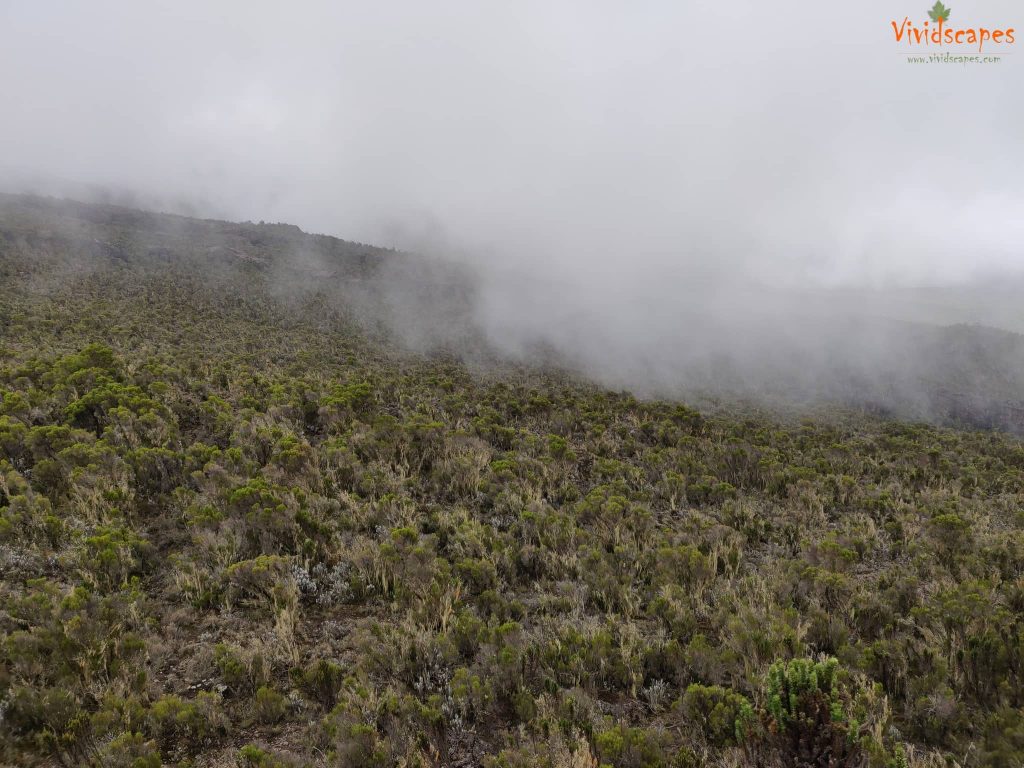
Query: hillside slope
(766, 349)
(242, 524)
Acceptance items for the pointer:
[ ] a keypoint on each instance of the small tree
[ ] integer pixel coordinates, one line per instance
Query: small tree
(806, 726)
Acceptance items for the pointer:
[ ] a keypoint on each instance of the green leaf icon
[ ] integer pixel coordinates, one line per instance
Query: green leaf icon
(939, 12)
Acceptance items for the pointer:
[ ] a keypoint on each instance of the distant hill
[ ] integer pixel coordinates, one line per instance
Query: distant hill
(845, 347)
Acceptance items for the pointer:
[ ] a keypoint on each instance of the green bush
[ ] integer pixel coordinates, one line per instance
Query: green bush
(269, 706)
(807, 719)
(175, 721)
(322, 682)
(724, 717)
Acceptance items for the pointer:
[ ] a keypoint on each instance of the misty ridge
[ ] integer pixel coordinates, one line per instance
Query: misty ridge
(707, 338)
(568, 187)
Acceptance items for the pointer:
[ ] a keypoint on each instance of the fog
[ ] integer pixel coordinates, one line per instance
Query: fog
(642, 187)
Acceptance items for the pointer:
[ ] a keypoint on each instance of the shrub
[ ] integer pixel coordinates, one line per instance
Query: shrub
(724, 717)
(263, 582)
(624, 747)
(251, 756)
(321, 682)
(269, 706)
(175, 721)
(807, 725)
(130, 750)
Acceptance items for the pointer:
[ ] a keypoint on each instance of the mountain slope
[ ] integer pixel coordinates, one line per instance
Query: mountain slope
(241, 523)
(752, 347)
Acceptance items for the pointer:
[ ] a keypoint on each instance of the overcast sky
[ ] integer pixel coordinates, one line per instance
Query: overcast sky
(784, 140)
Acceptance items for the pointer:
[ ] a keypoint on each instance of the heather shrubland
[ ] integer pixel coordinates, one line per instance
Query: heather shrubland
(238, 532)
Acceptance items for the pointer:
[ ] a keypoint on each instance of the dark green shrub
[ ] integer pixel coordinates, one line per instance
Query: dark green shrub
(322, 681)
(807, 724)
(269, 706)
(724, 717)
